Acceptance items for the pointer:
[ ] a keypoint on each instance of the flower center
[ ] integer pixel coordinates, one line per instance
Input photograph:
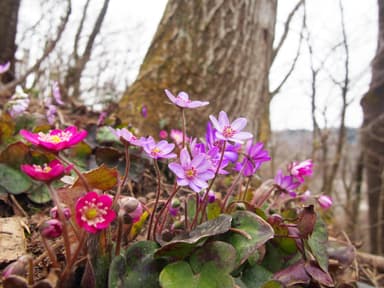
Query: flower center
(44, 169)
(228, 131)
(191, 172)
(56, 138)
(91, 213)
(155, 151)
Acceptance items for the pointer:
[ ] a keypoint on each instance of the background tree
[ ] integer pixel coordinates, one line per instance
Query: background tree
(9, 11)
(373, 142)
(219, 51)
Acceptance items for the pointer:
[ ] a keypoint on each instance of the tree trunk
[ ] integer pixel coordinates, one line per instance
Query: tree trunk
(373, 142)
(219, 51)
(9, 10)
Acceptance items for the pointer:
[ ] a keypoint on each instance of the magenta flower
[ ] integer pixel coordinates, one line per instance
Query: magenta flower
(5, 67)
(51, 229)
(163, 134)
(286, 184)
(55, 214)
(301, 169)
(192, 172)
(182, 100)
(325, 202)
(127, 136)
(255, 156)
(230, 131)
(46, 173)
(94, 212)
(55, 140)
(158, 150)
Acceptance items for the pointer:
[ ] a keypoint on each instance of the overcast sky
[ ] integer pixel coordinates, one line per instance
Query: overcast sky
(136, 22)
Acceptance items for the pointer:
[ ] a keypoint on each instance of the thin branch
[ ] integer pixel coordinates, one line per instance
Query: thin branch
(286, 29)
(79, 30)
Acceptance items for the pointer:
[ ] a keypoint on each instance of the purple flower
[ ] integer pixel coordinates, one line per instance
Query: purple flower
(231, 152)
(5, 67)
(193, 172)
(18, 103)
(325, 202)
(144, 111)
(51, 114)
(287, 184)
(182, 100)
(230, 131)
(255, 156)
(301, 169)
(158, 150)
(102, 116)
(56, 93)
(126, 136)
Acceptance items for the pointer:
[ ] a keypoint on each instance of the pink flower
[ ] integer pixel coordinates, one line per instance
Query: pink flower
(230, 131)
(125, 135)
(55, 214)
(163, 134)
(177, 136)
(301, 169)
(51, 229)
(161, 149)
(193, 172)
(102, 116)
(182, 100)
(19, 267)
(46, 173)
(55, 140)
(130, 209)
(93, 212)
(325, 202)
(5, 67)
(286, 184)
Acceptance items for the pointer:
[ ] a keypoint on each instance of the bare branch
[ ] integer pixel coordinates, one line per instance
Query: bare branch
(79, 30)
(286, 29)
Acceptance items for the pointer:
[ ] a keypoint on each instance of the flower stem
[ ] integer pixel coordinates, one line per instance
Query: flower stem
(50, 253)
(77, 171)
(63, 220)
(203, 206)
(156, 201)
(126, 173)
(119, 235)
(184, 125)
(232, 188)
(75, 254)
(175, 189)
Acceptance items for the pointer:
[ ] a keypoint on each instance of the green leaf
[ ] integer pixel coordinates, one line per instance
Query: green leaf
(254, 226)
(136, 268)
(14, 181)
(181, 248)
(272, 284)
(179, 274)
(221, 254)
(255, 276)
(104, 134)
(318, 243)
(213, 210)
(39, 195)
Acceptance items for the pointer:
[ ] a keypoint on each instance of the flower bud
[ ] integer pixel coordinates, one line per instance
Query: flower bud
(211, 196)
(174, 208)
(325, 202)
(305, 196)
(55, 214)
(130, 209)
(51, 229)
(19, 267)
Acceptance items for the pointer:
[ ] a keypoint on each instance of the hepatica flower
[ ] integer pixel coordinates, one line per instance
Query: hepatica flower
(18, 103)
(127, 136)
(5, 67)
(158, 150)
(287, 184)
(182, 100)
(94, 212)
(55, 140)
(301, 169)
(230, 131)
(255, 156)
(193, 172)
(46, 173)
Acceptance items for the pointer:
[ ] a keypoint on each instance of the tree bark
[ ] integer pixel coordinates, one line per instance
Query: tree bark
(373, 142)
(9, 10)
(215, 50)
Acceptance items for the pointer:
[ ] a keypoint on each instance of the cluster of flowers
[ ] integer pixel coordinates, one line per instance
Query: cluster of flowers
(198, 162)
